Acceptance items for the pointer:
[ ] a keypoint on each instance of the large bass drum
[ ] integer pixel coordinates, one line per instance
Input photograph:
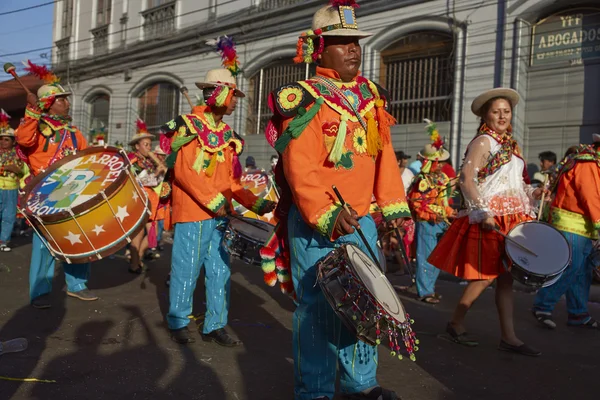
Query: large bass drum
(86, 206)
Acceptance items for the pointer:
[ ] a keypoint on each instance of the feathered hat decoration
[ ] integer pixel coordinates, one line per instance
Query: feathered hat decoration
(142, 132)
(51, 89)
(433, 152)
(434, 135)
(141, 126)
(226, 47)
(346, 3)
(5, 129)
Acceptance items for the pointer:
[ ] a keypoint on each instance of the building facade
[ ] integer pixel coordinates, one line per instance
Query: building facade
(129, 58)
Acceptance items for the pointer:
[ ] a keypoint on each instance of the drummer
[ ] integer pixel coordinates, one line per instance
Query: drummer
(46, 135)
(495, 197)
(12, 170)
(575, 211)
(331, 147)
(149, 171)
(207, 175)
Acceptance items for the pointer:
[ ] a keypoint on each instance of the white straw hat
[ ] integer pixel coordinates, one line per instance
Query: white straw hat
(337, 21)
(484, 97)
(220, 77)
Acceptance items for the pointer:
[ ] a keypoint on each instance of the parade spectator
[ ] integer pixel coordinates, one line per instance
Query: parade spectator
(407, 174)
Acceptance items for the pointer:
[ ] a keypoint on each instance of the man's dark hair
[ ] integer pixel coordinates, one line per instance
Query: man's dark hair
(548, 156)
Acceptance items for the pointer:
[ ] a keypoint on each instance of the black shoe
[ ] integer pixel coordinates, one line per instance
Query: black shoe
(182, 336)
(523, 349)
(221, 337)
(321, 398)
(378, 393)
(41, 302)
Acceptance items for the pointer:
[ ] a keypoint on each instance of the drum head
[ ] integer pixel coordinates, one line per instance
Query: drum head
(255, 229)
(74, 181)
(551, 247)
(376, 283)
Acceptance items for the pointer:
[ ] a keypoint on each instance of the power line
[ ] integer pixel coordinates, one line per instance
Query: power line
(28, 8)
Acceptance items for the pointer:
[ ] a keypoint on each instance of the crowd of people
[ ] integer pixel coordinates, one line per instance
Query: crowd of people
(330, 133)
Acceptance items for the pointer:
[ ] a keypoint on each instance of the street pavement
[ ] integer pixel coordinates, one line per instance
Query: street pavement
(119, 347)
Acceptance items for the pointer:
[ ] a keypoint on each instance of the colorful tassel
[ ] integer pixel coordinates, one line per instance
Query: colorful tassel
(310, 47)
(298, 125)
(385, 120)
(237, 166)
(338, 146)
(373, 139)
(225, 45)
(221, 99)
(299, 50)
(270, 275)
(199, 161)
(319, 51)
(211, 166)
(266, 253)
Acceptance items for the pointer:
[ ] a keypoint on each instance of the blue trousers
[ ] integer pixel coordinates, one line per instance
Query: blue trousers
(321, 343)
(427, 238)
(8, 213)
(198, 244)
(41, 271)
(160, 228)
(575, 283)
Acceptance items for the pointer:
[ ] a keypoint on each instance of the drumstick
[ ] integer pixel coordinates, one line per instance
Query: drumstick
(513, 241)
(360, 232)
(12, 70)
(184, 92)
(543, 198)
(403, 251)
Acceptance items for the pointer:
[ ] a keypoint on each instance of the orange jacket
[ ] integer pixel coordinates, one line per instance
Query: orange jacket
(576, 205)
(42, 148)
(357, 176)
(197, 195)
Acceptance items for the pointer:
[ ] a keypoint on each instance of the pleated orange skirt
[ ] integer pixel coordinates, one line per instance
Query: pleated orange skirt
(153, 199)
(470, 253)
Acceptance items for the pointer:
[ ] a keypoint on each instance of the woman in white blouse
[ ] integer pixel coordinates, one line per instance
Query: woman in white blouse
(495, 196)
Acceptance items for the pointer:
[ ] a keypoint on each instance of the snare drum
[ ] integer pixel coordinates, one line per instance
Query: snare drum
(553, 253)
(244, 237)
(86, 206)
(364, 299)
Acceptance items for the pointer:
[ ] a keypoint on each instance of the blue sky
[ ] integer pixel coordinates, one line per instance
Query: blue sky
(23, 31)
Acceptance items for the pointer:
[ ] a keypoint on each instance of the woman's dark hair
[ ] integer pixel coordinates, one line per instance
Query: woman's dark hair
(486, 107)
(571, 150)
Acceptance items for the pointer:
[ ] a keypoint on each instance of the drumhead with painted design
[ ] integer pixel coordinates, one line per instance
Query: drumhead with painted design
(376, 282)
(75, 182)
(553, 253)
(251, 228)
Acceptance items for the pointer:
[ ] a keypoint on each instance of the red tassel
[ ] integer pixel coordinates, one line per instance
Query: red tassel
(237, 167)
(267, 253)
(271, 279)
(299, 51)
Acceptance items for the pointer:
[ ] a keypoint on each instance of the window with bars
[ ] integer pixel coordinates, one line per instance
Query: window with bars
(159, 21)
(99, 112)
(157, 104)
(103, 12)
(264, 82)
(67, 18)
(418, 72)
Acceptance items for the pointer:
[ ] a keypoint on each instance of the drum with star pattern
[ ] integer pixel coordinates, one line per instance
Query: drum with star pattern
(86, 206)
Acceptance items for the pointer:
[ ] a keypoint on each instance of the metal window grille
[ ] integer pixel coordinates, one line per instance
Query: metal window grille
(100, 40)
(267, 80)
(158, 104)
(67, 18)
(418, 71)
(159, 21)
(103, 12)
(99, 108)
(274, 4)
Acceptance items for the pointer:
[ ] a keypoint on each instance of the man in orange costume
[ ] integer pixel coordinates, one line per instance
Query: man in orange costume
(206, 176)
(47, 135)
(332, 129)
(575, 211)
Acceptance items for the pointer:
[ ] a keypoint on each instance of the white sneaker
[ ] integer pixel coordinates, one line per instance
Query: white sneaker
(4, 247)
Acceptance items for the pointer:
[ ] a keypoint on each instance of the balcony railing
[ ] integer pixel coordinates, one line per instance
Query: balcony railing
(273, 4)
(62, 51)
(100, 35)
(159, 21)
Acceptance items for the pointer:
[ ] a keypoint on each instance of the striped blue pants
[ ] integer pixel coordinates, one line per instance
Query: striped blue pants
(321, 343)
(8, 213)
(427, 238)
(574, 283)
(198, 244)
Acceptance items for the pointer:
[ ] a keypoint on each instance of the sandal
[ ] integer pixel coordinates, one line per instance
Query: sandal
(544, 319)
(591, 323)
(463, 338)
(523, 349)
(431, 299)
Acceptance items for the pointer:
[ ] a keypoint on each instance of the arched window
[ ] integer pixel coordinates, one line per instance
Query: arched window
(418, 72)
(266, 80)
(99, 112)
(157, 104)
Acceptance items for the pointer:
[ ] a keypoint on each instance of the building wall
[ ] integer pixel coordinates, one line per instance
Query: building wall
(491, 48)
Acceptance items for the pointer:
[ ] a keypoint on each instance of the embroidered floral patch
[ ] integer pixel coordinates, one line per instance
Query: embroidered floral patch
(365, 92)
(220, 156)
(290, 97)
(352, 98)
(360, 141)
(213, 140)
